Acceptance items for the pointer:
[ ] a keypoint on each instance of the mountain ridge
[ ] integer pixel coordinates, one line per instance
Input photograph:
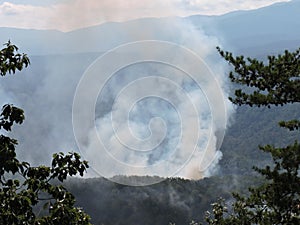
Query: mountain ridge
(240, 31)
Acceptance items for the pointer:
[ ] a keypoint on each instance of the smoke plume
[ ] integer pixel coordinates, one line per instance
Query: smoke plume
(145, 115)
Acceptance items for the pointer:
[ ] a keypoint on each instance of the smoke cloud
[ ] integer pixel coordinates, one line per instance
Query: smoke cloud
(145, 123)
(146, 115)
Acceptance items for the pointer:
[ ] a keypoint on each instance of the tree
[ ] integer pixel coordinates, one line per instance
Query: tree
(276, 201)
(23, 187)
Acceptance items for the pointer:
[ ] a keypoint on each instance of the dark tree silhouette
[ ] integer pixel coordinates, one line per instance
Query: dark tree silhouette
(276, 201)
(23, 187)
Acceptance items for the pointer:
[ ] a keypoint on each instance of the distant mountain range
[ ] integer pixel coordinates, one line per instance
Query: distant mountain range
(267, 29)
(58, 61)
(46, 94)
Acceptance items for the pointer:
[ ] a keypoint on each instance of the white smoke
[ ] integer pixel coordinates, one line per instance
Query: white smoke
(46, 93)
(149, 126)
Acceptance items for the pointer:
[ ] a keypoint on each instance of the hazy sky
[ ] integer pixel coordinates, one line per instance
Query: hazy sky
(68, 15)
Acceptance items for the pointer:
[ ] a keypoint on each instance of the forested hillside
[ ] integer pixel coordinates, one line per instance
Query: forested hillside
(173, 200)
(58, 61)
(253, 127)
(181, 201)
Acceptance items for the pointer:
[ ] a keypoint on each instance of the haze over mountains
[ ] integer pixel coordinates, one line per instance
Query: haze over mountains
(59, 59)
(269, 29)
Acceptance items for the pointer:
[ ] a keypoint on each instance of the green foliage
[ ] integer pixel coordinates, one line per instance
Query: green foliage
(219, 210)
(276, 83)
(174, 200)
(277, 200)
(291, 125)
(23, 187)
(11, 60)
(10, 115)
(254, 127)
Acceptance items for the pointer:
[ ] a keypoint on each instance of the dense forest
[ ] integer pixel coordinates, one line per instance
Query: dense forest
(174, 200)
(182, 201)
